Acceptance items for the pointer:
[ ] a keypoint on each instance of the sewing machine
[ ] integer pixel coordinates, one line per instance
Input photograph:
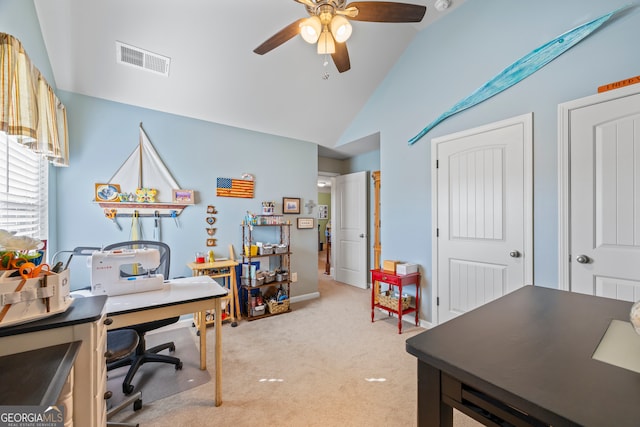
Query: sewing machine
(125, 271)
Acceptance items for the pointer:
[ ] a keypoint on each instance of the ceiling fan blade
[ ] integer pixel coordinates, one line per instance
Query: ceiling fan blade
(285, 34)
(386, 11)
(341, 57)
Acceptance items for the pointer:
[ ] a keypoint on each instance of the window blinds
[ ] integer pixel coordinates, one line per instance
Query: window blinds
(23, 190)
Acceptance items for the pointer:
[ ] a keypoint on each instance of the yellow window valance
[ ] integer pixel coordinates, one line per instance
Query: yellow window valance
(29, 109)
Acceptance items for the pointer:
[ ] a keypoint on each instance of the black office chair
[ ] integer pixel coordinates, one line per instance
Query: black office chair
(142, 354)
(122, 344)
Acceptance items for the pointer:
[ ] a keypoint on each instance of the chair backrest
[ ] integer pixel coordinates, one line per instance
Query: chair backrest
(163, 248)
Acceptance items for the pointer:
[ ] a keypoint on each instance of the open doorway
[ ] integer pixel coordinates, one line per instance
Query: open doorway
(324, 221)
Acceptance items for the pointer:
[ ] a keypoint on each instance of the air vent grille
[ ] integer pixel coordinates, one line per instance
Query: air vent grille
(140, 58)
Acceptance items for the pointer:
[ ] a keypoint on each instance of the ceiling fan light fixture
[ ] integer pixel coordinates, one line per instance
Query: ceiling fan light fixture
(326, 45)
(310, 29)
(341, 28)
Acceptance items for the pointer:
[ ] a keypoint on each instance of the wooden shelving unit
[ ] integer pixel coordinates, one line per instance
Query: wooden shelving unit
(226, 271)
(281, 260)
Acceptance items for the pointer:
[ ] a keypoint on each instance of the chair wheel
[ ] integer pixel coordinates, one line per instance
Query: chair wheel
(179, 366)
(198, 333)
(127, 388)
(137, 405)
(172, 348)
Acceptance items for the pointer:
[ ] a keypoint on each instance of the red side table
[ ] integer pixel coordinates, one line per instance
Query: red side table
(399, 281)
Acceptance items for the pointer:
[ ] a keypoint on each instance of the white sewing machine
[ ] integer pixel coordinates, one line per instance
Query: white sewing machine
(125, 271)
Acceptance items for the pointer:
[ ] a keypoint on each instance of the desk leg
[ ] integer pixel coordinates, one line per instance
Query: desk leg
(202, 329)
(218, 362)
(234, 289)
(431, 410)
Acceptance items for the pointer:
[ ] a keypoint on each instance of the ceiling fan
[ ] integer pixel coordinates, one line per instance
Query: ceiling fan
(329, 27)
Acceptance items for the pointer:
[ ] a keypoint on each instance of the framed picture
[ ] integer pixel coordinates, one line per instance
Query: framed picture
(183, 196)
(212, 242)
(323, 211)
(290, 205)
(107, 192)
(305, 222)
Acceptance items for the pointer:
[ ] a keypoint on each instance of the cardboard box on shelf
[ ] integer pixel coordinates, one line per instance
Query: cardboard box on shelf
(389, 265)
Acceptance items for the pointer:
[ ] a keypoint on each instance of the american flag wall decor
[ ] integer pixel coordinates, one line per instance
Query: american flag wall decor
(229, 187)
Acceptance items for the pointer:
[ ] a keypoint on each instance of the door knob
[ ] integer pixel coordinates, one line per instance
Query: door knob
(362, 236)
(583, 259)
(514, 254)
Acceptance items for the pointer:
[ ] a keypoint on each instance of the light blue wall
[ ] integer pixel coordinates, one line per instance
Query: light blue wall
(104, 133)
(449, 60)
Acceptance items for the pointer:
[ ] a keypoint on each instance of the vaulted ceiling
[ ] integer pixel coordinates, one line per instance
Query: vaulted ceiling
(214, 74)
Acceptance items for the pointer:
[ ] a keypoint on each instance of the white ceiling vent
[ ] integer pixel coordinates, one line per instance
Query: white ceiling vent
(140, 58)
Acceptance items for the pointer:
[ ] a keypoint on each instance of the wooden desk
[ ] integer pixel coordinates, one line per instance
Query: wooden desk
(180, 296)
(526, 358)
(225, 270)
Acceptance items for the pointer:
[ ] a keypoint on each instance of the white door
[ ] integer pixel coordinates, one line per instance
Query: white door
(349, 235)
(604, 195)
(482, 215)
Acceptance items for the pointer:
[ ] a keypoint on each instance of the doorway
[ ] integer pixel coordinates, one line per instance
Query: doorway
(325, 185)
(482, 213)
(599, 196)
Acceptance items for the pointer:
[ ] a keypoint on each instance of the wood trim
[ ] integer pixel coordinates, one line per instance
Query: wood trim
(377, 246)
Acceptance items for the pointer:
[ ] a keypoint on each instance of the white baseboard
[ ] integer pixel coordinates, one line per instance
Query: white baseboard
(305, 297)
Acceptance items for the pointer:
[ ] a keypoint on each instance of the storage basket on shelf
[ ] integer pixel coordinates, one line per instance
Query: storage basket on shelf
(281, 249)
(390, 301)
(276, 307)
(250, 250)
(265, 249)
(269, 276)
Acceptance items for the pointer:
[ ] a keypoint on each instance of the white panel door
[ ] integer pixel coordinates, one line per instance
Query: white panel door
(350, 233)
(605, 198)
(482, 215)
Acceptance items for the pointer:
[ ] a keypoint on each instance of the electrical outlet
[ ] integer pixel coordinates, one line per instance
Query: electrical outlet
(294, 277)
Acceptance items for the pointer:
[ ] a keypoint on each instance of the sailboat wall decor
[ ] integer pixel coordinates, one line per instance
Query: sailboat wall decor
(145, 183)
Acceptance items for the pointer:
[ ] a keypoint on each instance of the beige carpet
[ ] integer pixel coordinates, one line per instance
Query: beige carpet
(323, 364)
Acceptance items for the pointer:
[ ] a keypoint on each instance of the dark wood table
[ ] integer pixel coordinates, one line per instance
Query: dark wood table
(526, 359)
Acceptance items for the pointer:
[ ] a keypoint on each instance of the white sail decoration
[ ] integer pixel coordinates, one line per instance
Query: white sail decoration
(144, 168)
(146, 188)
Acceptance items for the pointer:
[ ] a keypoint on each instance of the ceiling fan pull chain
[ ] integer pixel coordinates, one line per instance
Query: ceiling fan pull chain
(325, 63)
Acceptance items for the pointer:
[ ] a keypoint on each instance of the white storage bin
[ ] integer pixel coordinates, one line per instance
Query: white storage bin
(406, 268)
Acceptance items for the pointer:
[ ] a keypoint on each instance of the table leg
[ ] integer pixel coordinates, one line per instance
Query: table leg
(374, 290)
(418, 301)
(218, 362)
(202, 329)
(431, 410)
(238, 309)
(400, 309)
